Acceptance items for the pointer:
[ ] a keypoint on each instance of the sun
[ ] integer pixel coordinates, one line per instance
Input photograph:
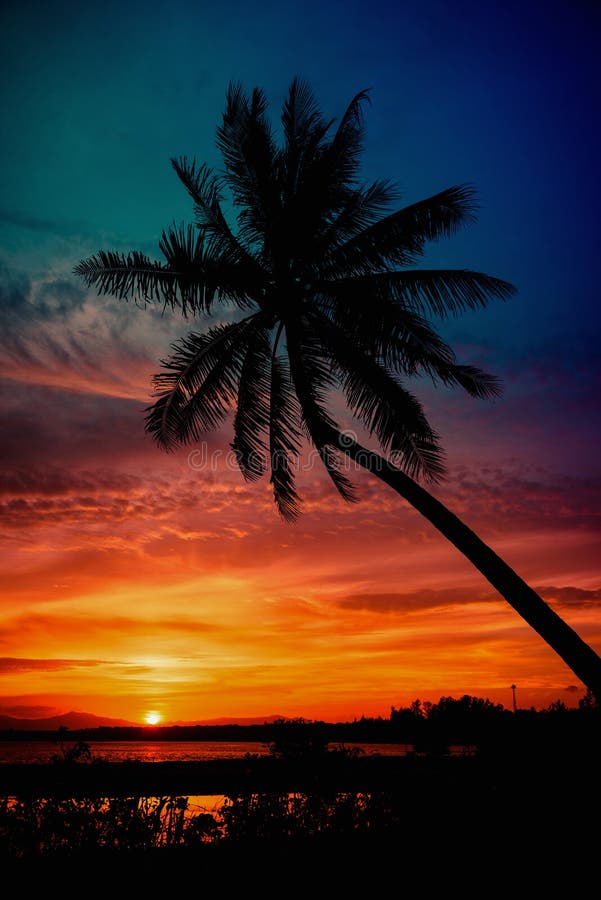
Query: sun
(152, 718)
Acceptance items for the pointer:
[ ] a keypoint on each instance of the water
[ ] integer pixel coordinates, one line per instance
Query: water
(166, 751)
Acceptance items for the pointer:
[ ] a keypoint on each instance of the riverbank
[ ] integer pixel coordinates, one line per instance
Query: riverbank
(330, 772)
(508, 768)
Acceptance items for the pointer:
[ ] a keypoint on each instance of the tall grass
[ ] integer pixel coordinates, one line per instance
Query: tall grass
(40, 826)
(44, 826)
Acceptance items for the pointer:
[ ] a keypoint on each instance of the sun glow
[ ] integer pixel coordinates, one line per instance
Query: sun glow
(152, 718)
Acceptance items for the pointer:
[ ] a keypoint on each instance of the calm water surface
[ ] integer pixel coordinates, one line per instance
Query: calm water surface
(165, 751)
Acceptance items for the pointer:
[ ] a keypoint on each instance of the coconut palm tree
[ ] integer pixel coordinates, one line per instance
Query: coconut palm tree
(321, 273)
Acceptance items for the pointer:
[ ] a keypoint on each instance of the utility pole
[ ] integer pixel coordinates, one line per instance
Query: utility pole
(515, 708)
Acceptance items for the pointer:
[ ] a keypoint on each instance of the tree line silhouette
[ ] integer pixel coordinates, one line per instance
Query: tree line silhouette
(462, 722)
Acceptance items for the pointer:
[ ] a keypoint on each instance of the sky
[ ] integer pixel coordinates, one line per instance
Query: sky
(133, 580)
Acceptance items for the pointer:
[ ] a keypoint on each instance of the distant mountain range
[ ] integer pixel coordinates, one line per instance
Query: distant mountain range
(233, 720)
(71, 720)
(78, 720)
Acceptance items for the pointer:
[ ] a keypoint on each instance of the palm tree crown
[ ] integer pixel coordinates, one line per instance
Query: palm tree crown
(321, 271)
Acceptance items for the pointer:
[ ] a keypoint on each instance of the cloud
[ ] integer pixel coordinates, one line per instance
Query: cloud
(414, 600)
(58, 333)
(11, 665)
(41, 425)
(93, 624)
(58, 481)
(92, 509)
(569, 596)
(34, 496)
(45, 226)
(24, 301)
(541, 376)
(22, 711)
(431, 599)
(526, 498)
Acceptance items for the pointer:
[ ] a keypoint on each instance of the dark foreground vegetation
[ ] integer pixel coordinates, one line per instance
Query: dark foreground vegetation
(509, 787)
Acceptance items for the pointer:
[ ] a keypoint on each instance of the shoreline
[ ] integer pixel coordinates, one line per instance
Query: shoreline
(510, 774)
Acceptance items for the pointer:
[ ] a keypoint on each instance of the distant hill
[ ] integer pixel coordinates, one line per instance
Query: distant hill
(71, 720)
(234, 720)
(75, 721)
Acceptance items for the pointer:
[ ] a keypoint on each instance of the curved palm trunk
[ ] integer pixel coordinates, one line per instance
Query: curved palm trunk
(577, 654)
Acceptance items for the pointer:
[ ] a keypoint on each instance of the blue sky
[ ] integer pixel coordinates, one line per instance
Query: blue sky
(505, 95)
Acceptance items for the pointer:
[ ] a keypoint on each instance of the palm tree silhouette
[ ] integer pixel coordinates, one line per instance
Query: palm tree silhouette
(318, 267)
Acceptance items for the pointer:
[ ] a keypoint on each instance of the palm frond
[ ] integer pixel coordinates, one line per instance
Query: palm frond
(361, 209)
(474, 381)
(248, 149)
(194, 275)
(373, 319)
(313, 377)
(440, 215)
(227, 278)
(199, 383)
(320, 179)
(251, 422)
(440, 292)
(403, 342)
(201, 182)
(397, 419)
(185, 250)
(444, 292)
(203, 186)
(135, 276)
(400, 238)
(333, 461)
(410, 347)
(302, 119)
(385, 407)
(284, 439)
(304, 130)
(347, 145)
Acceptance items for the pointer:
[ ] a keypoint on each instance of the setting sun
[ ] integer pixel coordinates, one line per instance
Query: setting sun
(152, 718)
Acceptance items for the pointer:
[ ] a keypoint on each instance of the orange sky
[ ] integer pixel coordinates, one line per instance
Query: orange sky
(135, 580)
